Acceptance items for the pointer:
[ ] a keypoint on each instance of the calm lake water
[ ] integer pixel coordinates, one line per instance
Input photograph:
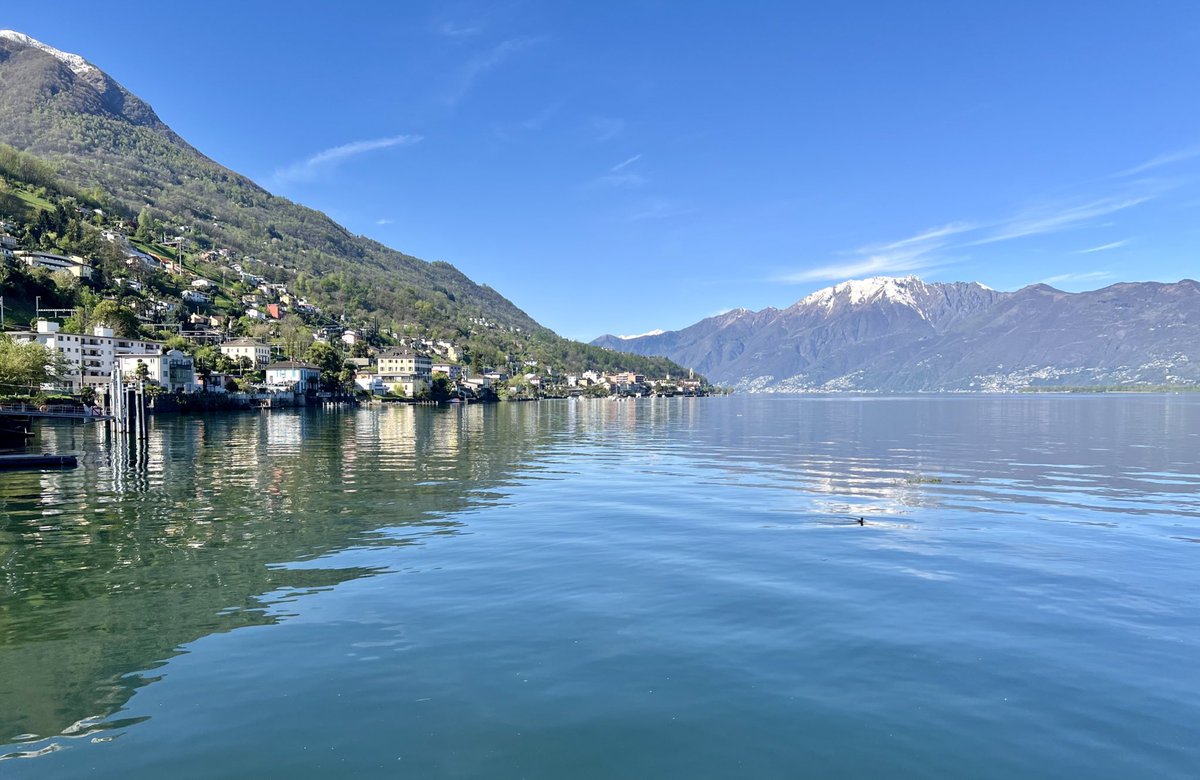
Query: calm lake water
(666, 588)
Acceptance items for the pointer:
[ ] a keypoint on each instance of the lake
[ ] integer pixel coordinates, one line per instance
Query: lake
(655, 588)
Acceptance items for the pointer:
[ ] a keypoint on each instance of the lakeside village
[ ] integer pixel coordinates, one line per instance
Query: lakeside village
(294, 355)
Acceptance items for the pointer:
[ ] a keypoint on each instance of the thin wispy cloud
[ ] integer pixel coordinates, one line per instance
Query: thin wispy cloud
(656, 208)
(875, 265)
(625, 164)
(626, 179)
(1104, 247)
(908, 254)
(539, 120)
(328, 159)
(385, 221)
(605, 128)
(452, 30)
(621, 176)
(934, 247)
(1086, 276)
(479, 65)
(1162, 160)
(1053, 220)
(932, 235)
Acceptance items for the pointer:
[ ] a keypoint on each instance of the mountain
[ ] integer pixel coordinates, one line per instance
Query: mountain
(888, 334)
(106, 142)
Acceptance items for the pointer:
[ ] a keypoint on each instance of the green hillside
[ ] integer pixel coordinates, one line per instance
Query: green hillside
(106, 149)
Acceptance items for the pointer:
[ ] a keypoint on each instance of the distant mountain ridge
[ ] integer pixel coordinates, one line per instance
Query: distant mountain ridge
(905, 334)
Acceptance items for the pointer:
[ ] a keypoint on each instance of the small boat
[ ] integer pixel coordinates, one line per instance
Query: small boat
(38, 461)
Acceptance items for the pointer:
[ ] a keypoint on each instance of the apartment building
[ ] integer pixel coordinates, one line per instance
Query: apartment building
(93, 356)
(405, 368)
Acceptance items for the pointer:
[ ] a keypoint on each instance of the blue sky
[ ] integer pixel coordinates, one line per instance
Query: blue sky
(624, 166)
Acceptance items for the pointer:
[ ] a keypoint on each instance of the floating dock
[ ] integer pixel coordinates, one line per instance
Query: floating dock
(38, 461)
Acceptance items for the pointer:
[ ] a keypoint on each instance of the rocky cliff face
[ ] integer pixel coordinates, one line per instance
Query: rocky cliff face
(905, 334)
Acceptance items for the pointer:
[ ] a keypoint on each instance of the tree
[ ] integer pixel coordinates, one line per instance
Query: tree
(520, 387)
(329, 361)
(23, 367)
(294, 334)
(65, 281)
(440, 387)
(145, 225)
(120, 318)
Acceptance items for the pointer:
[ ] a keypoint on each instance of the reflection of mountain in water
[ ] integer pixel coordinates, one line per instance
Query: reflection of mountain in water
(109, 570)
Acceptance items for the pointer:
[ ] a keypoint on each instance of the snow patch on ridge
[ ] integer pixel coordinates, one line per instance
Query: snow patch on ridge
(73, 61)
(642, 335)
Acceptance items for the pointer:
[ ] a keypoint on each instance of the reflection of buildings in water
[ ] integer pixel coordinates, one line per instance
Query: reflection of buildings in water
(285, 434)
(397, 431)
(200, 553)
(348, 445)
(444, 434)
(473, 419)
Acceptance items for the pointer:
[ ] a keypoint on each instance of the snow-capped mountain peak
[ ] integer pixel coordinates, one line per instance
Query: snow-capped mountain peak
(73, 61)
(658, 332)
(903, 290)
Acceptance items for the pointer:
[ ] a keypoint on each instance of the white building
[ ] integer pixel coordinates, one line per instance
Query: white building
(172, 369)
(92, 356)
(149, 262)
(370, 382)
(299, 377)
(452, 370)
(257, 352)
(195, 296)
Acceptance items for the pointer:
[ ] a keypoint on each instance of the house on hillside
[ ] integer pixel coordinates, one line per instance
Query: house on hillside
(74, 265)
(255, 351)
(300, 377)
(371, 382)
(452, 370)
(195, 296)
(140, 258)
